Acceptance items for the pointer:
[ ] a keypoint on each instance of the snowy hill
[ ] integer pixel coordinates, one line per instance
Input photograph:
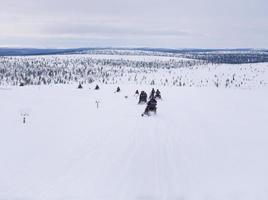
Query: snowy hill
(130, 69)
(227, 56)
(208, 140)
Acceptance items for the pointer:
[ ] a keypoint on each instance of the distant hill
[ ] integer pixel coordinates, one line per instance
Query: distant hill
(30, 51)
(35, 51)
(230, 56)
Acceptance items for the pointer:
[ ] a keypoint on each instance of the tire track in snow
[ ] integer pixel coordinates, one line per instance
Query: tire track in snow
(166, 182)
(171, 176)
(136, 143)
(176, 157)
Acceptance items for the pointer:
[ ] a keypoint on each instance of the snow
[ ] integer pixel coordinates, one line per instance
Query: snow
(207, 141)
(129, 69)
(146, 58)
(204, 143)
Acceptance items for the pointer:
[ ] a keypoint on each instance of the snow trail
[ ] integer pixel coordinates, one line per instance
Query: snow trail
(203, 143)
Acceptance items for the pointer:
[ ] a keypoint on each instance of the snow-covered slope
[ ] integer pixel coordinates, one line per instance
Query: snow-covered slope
(130, 69)
(208, 140)
(204, 143)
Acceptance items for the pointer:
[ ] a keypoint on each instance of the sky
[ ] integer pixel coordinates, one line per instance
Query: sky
(134, 23)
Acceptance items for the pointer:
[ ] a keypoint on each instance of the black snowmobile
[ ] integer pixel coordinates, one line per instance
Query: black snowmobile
(118, 89)
(150, 108)
(97, 87)
(152, 94)
(80, 86)
(143, 98)
(158, 95)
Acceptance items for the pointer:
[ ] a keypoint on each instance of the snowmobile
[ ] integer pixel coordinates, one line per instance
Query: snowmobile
(143, 98)
(80, 86)
(137, 94)
(152, 94)
(118, 89)
(97, 87)
(150, 108)
(158, 95)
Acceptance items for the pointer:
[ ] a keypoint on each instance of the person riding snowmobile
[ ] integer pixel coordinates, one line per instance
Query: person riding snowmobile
(152, 94)
(80, 86)
(118, 89)
(143, 97)
(97, 87)
(158, 94)
(151, 107)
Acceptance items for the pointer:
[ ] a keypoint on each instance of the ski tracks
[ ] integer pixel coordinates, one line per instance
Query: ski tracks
(172, 159)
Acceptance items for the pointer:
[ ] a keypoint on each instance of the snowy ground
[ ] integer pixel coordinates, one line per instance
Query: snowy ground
(130, 69)
(204, 144)
(145, 58)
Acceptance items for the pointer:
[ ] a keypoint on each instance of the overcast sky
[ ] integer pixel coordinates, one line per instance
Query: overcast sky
(134, 23)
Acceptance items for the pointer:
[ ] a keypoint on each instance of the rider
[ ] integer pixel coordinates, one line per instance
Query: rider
(118, 89)
(152, 93)
(143, 97)
(158, 94)
(151, 106)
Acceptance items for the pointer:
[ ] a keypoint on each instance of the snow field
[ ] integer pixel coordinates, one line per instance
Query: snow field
(204, 143)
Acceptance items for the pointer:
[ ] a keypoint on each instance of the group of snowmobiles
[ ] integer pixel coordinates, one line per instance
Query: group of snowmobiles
(151, 103)
(151, 106)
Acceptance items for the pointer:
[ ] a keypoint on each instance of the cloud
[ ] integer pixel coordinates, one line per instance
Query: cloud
(169, 23)
(110, 30)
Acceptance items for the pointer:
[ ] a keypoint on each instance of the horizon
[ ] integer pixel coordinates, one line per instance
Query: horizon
(130, 48)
